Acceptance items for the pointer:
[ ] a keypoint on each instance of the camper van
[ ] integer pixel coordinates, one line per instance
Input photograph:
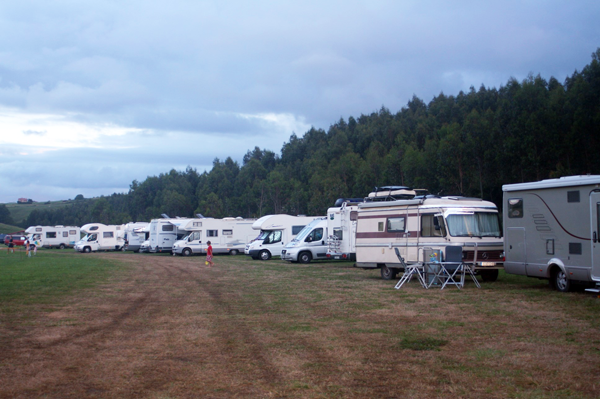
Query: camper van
(428, 222)
(227, 236)
(53, 236)
(275, 232)
(164, 232)
(101, 237)
(341, 227)
(309, 244)
(135, 235)
(551, 230)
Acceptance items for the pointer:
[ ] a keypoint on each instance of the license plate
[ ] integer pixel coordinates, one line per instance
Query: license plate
(488, 263)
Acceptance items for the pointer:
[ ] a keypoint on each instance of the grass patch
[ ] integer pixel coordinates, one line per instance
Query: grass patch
(422, 344)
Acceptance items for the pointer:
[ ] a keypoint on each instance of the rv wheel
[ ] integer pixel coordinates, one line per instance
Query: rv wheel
(62, 246)
(560, 281)
(264, 255)
(387, 273)
(87, 250)
(233, 252)
(186, 252)
(305, 257)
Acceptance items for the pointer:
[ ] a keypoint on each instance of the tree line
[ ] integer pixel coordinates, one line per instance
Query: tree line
(468, 144)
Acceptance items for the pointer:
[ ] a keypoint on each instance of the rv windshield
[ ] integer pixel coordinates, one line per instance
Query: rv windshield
(303, 233)
(477, 224)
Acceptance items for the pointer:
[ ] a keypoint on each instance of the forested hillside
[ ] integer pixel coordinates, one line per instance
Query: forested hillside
(470, 143)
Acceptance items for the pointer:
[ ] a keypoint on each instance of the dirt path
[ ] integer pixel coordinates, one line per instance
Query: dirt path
(173, 328)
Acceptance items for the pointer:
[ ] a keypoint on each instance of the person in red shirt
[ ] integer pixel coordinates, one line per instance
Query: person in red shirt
(209, 255)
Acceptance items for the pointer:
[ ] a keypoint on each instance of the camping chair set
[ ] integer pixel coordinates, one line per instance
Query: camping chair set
(450, 271)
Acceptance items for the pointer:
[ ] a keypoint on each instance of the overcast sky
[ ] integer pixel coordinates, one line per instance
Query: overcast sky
(95, 94)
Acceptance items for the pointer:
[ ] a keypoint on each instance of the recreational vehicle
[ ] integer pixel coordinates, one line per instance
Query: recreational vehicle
(341, 227)
(275, 232)
(101, 237)
(135, 235)
(227, 236)
(309, 244)
(551, 230)
(53, 236)
(428, 222)
(164, 232)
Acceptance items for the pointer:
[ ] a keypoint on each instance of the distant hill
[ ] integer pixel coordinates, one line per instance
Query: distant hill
(7, 228)
(20, 212)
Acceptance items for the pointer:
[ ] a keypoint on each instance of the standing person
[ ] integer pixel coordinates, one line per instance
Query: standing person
(11, 245)
(32, 248)
(209, 254)
(26, 245)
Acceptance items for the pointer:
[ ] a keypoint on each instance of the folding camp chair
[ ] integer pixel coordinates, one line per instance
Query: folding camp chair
(451, 271)
(410, 271)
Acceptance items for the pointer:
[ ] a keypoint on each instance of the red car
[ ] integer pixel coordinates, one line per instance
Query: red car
(17, 240)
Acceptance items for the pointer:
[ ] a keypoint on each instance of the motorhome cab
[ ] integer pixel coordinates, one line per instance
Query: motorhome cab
(101, 237)
(428, 222)
(275, 232)
(551, 230)
(53, 236)
(227, 236)
(309, 244)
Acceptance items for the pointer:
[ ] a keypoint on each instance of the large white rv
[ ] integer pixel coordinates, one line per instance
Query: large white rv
(227, 236)
(309, 244)
(551, 230)
(341, 227)
(135, 235)
(275, 232)
(164, 232)
(53, 236)
(428, 222)
(101, 237)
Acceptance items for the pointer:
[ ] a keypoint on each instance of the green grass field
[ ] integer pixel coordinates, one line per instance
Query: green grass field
(7, 228)
(20, 212)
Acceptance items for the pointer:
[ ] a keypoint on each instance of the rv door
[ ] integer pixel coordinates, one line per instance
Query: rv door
(595, 216)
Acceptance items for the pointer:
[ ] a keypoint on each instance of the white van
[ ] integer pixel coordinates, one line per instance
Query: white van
(227, 236)
(135, 235)
(101, 237)
(309, 244)
(53, 236)
(428, 222)
(552, 230)
(275, 232)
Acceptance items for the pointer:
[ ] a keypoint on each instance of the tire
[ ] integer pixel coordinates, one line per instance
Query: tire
(304, 257)
(387, 273)
(560, 281)
(87, 250)
(186, 252)
(61, 246)
(489, 275)
(234, 252)
(264, 255)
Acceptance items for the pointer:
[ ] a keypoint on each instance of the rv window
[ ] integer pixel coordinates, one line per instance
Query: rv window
(380, 226)
(108, 234)
(477, 224)
(354, 215)
(227, 232)
(338, 233)
(65, 233)
(315, 235)
(515, 208)
(38, 229)
(575, 248)
(430, 226)
(296, 229)
(167, 227)
(273, 237)
(396, 224)
(93, 228)
(72, 232)
(92, 237)
(573, 196)
(51, 234)
(197, 224)
(212, 233)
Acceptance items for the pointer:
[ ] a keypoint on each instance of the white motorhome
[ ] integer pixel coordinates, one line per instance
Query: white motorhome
(53, 236)
(428, 222)
(101, 237)
(135, 235)
(309, 244)
(275, 232)
(341, 227)
(227, 236)
(551, 230)
(164, 232)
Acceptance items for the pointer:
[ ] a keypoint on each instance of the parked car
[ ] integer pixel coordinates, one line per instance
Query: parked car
(17, 239)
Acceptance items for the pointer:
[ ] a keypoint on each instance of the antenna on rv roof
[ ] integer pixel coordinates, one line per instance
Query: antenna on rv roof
(199, 215)
(165, 215)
